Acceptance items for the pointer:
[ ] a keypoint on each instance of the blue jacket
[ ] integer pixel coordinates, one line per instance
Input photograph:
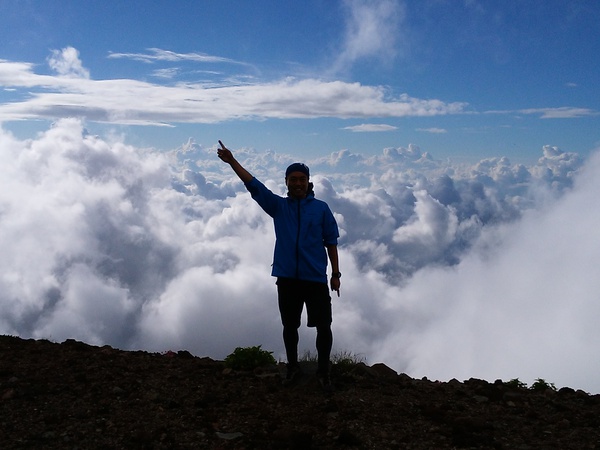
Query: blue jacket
(302, 230)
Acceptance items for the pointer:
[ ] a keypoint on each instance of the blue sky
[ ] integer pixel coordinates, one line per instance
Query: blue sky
(460, 79)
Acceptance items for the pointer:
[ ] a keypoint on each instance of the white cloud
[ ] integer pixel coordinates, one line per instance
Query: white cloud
(372, 31)
(169, 73)
(371, 128)
(433, 130)
(125, 101)
(564, 112)
(142, 103)
(521, 305)
(429, 231)
(66, 63)
(449, 271)
(157, 54)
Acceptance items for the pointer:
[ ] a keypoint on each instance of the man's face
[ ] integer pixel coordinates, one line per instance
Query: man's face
(297, 184)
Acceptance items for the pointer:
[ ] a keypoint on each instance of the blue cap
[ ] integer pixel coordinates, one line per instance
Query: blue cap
(298, 167)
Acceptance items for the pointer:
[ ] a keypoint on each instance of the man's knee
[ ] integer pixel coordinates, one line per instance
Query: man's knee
(324, 330)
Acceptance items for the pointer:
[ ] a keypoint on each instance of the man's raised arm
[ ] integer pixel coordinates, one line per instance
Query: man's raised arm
(226, 156)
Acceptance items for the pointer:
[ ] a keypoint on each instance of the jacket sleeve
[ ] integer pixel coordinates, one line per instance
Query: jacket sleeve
(330, 228)
(267, 200)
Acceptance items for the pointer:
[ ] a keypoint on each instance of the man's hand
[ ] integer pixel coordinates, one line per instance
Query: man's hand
(225, 154)
(335, 285)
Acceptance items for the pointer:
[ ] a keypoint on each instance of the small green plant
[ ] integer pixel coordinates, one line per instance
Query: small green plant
(345, 362)
(339, 358)
(341, 362)
(516, 383)
(542, 385)
(249, 358)
(307, 356)
(345, 358)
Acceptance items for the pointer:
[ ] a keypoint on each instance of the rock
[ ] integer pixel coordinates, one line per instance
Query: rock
(347, 437)
(384, 371)
(229, 436)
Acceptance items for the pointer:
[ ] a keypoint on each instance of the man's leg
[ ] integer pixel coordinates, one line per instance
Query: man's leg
(324, 344)
(290, 340)
(318, 307)
(290, 308)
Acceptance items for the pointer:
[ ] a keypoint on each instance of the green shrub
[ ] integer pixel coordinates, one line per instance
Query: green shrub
(515, 383)
(249, 358)
(541, 385)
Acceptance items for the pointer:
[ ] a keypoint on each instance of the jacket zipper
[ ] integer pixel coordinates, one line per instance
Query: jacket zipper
(298, 244)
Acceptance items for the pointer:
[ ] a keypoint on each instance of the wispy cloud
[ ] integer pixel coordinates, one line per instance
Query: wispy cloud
(126, 101)
(157, 54)
(565, 112)
(433, 130)
(370, 128)
(372, 31)
(169, 73)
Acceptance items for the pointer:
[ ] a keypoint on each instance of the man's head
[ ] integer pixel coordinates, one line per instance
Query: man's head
(296, 180)
(297, 167)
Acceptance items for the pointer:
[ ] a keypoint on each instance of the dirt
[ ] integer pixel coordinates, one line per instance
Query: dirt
(72, 395)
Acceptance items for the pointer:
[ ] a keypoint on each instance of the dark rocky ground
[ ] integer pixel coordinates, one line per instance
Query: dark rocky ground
(76, 396)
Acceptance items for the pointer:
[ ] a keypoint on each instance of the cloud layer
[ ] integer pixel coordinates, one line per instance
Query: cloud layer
(70, 92)
(449, 271)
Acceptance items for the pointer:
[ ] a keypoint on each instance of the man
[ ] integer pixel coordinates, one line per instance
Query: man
(306, 235)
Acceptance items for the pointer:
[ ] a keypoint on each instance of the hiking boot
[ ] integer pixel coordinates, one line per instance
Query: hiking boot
(293, 372)
(325, 382)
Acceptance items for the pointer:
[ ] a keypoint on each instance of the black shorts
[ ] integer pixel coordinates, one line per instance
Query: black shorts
(292, 294)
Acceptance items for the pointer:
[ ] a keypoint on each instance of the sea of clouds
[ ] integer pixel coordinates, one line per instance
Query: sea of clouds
(449, 271)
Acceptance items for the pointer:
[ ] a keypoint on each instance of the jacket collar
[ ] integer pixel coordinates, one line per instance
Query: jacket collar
(309, 196)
